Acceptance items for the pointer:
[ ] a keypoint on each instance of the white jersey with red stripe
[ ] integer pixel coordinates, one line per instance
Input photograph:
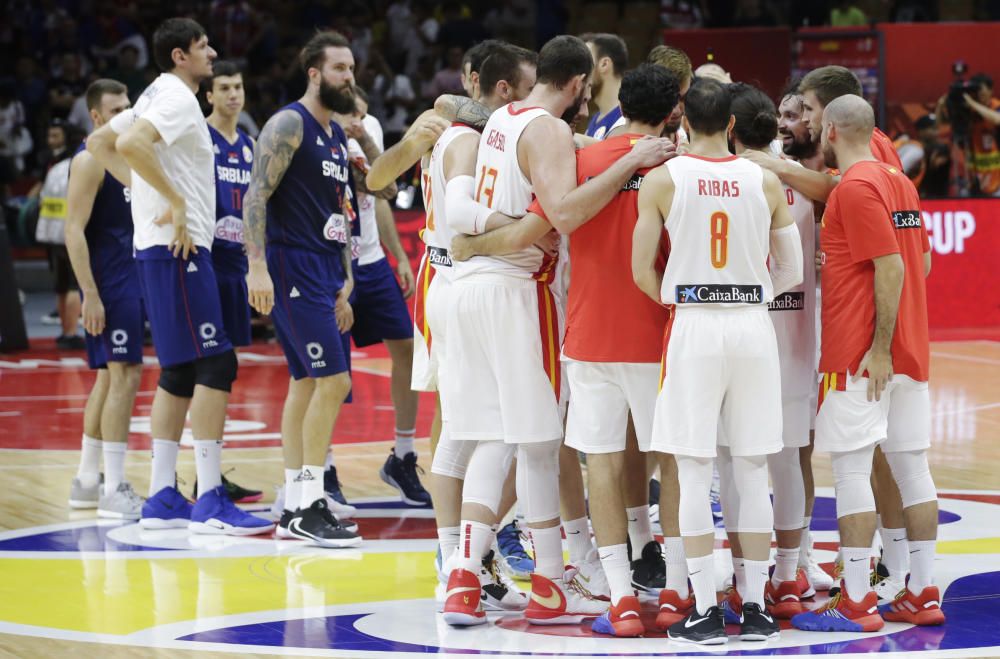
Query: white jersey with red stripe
(437, 234)
(719, 225)
(503, 187)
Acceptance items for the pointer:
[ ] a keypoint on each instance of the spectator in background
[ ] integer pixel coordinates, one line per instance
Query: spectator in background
(15, 138)
(128, 71)
(449, 79)
(392, 94)
(751, 13)
(846, 14)
(458, 28)
(682, 14)
(68, 85)
(57, 143)
(235, 29)
(985, 160)
(425, 74)
(512, 21)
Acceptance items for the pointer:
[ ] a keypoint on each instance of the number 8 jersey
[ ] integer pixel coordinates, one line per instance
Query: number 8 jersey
(719, 226)
(502, 186)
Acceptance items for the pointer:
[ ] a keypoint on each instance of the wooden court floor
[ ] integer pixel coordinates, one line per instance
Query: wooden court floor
(64, 592)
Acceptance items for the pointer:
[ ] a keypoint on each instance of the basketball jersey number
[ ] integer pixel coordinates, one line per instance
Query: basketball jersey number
(483, 189)
(428, 202)
(237, 199)
(719, 246)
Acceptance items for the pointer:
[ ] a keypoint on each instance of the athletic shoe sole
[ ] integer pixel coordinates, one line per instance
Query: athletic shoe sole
(284, 534)
(156, 523)
(114, 514)
(79, 504)
(207, 528)
(325, 542)
(753, 636)
(717, 640)
(625, 629)
(456, 619)
(389, 480)
(565, 619)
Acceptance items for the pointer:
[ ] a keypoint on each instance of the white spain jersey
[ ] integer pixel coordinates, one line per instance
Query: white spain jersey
(719, 226)
(501, 185)
(437, 234)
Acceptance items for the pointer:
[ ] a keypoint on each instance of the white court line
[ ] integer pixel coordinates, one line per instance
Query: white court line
(965, 358)
(968, 410)
(14, 413)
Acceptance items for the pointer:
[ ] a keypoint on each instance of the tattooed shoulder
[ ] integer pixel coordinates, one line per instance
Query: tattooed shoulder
(462, 109)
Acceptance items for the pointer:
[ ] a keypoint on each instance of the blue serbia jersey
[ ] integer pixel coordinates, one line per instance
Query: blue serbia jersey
(232, 178)
(314, 208)
(109, 239)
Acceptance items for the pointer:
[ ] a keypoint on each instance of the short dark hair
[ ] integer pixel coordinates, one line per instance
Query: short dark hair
(706, 106)
(791, 89)
(476, 55)
(97, 89)
(982, 80)
(756, 118)
(313, 54)
(225, 68)
(611, 46)
(562, 59)
(174, 33)
(830, 82)
(649, 93)
(503, 64)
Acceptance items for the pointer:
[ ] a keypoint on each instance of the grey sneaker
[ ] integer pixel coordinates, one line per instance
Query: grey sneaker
(123, 503)
(81, 497)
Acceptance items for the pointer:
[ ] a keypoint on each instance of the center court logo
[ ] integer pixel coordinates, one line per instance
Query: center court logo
(718, 294)
(315, 352)
(119, 338)
(207, 332)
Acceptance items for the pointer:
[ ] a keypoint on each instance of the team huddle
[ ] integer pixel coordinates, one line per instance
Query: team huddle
(645, 295)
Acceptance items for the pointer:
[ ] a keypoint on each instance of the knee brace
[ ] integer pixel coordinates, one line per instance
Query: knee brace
(178, 380)
(852, 473)
(913, 476)
(216, 372)
(451, 458)
(789, 489)
(537, 480)
(695, 476)
(486, 472)
(729, 497)
(750, 479)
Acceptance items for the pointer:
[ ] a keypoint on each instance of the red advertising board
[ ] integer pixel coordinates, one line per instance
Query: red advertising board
(963, 290)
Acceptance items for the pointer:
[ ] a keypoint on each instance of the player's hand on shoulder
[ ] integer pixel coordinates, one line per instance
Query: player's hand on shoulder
(260, 288)
(461, 248)
(652, 151)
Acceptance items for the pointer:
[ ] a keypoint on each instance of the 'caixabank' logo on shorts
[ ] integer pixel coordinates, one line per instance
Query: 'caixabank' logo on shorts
(790, 301)
(718, 294)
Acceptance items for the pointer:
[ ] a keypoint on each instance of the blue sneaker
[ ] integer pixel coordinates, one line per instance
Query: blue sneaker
(214, 513)
(509, 541)
(331, 485)
(167, 509)
(401, 473)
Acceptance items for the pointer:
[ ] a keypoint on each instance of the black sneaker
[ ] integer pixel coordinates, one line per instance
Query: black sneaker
(649, 572)
(402, 475)
(70, 342)
(756, 624)
(236, 493)
(332, 486)
(281, 530)
(318, 525)
(708, 629)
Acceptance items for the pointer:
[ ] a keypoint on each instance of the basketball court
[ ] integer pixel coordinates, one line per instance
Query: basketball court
(74, 584)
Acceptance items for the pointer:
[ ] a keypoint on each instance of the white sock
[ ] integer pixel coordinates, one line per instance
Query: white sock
(857, 571)
(739, 575)
(329, 459)
(677, 569)
(614, 560)
(448, 541)
(805, 543)
(292, 490)
(895, 553)
(701, 571)
(640, 531)
(208, 464)
(786, 562)
(164, 465)
(404, 442)
(548, 551)
(921, 564)
(578, 539)
(756, 578)
(473, 541)
(310, 481)
(114, 465)
(89, 471)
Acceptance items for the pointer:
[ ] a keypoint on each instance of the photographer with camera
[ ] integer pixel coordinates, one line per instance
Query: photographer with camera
(972, 111)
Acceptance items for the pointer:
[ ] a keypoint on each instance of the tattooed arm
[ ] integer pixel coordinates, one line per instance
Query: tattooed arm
(462, 109)
(278, 141)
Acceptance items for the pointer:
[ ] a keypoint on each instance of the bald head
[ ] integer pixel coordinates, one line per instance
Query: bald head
(713, 71)
(848, 122)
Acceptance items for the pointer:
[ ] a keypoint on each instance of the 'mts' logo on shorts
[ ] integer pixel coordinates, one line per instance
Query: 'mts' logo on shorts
(119, 338)
(906, 219)
(207, 332)
(718, 294)
(315, 352)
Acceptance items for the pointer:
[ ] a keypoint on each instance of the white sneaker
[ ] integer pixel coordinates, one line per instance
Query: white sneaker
(818, 577)
(888, 589)
(590, 576)
(575, 605)
(123, 503)
(500, 593)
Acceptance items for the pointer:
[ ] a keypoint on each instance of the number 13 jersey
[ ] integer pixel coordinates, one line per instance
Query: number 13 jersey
(719, 225)
(502, 186)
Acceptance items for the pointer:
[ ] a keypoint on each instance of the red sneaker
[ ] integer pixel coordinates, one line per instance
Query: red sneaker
(806, 588)
(923, 609)
(561, 602)
(842, 614)
(732, 606)
(462, 604)
(672, 608)
(783, 601)
(621, 619)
